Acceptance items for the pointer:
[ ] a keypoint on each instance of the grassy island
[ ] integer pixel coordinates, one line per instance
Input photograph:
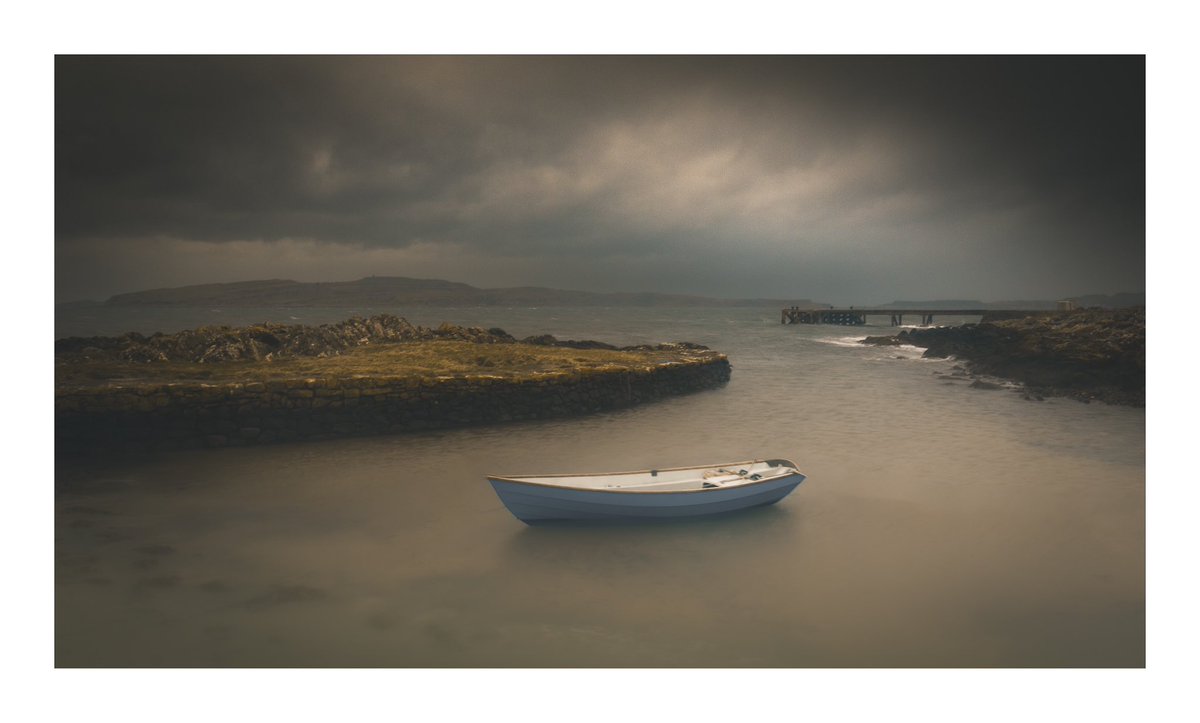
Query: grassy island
(401, 360)
(222, 386)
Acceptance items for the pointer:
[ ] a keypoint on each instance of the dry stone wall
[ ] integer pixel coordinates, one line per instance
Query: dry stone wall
(191, 414)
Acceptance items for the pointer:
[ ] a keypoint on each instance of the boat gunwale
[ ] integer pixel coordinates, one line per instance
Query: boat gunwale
(626, 491)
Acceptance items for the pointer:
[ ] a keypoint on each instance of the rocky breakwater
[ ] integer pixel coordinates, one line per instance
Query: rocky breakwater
(220, 386)
(1089, 354)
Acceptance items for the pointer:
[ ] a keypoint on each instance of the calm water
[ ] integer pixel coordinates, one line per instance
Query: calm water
(940, 525)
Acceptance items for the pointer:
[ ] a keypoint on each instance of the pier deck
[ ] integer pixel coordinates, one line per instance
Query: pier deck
(852, 316)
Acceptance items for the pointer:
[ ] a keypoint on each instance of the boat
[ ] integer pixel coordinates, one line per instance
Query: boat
(678, 492)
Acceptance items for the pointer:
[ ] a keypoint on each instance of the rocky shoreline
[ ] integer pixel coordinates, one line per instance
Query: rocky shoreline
(220, 386)
(1088, 354)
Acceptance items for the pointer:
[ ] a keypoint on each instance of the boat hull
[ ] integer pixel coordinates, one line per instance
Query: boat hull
(533, 504)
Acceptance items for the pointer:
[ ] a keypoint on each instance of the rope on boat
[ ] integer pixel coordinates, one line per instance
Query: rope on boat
(709, 474)
(722, 472)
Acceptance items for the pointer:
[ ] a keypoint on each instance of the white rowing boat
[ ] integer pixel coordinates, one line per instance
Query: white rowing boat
(648, 494)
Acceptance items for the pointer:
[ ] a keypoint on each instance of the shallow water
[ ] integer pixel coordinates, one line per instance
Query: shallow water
(940, 525)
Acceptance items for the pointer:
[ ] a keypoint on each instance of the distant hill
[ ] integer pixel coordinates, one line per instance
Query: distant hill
(402, 291)
(968, 304)
(1122, 300)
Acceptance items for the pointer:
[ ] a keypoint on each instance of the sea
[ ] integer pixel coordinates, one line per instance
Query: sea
(940, 525)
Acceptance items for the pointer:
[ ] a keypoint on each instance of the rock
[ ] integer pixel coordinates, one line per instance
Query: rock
(549, 340)
(264, 342)
(895, 340)
(980, 384)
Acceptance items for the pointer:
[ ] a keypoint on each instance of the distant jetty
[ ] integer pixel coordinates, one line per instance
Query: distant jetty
(1088, 354)
(858, 317)
(223, 386)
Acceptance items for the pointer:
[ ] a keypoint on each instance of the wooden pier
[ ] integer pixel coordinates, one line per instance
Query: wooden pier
(857, 317)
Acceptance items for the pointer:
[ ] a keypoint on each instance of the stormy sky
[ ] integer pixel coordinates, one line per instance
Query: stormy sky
(843, 179)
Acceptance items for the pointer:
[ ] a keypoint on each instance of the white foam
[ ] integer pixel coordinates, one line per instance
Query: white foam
(853, 341)
(906, 351)
(882, 353)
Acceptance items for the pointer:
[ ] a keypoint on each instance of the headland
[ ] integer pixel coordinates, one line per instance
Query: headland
(1086, 354)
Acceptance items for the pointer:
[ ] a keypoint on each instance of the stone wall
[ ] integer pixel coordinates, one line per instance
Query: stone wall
(192, 414)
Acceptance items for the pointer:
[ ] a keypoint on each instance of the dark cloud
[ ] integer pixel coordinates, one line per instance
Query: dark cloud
(1019, 176)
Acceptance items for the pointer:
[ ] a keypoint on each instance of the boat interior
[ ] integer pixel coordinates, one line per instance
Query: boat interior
(671, 480)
